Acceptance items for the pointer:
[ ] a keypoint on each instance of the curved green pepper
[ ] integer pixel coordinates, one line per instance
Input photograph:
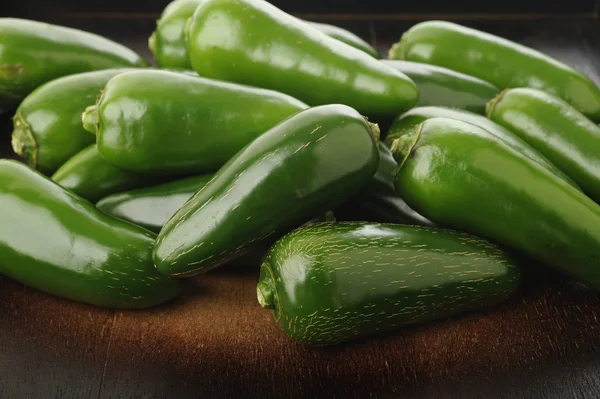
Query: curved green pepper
(33, 53)
(151, 207)
(555, 129)
(59, 243)
(417, 115)
(301, 168)
(47, 125)
(344, 35)
(377, 200)
(499, 61)
(88, 175)
(461, 177)
(165, 122)
(255, 43)
(331, 283)
(167, 42)
(445, 87)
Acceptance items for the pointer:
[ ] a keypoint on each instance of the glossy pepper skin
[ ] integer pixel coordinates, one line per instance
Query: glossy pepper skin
(59, 243)
(303, 167)
(417, 115)
(332, 283)
(47, 128)
(377, 200)
(499, 61)
(33, 53)
(151, 207)
(167, 42)
(555, 129)
(88, 175)
(345, 36)
(441, 86)
(255, 43)
(460, 177)
(161, 122)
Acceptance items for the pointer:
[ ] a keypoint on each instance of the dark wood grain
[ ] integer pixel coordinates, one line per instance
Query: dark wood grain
(216, 342)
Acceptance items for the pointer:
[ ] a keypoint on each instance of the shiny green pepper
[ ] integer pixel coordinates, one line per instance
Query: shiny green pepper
(57, 242)
(299, 169)
(461, 177)
(335, 282)
(33, 53)
(47, 128)
(255, 43)
(162, 122)
(499, 61)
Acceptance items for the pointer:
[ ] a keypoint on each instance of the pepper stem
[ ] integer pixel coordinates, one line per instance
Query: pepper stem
(403, 146)
(90, 119)
(265, 289)
(397, 50)
(491, 105)
(375, 131)
(23, 142)
(152, 43)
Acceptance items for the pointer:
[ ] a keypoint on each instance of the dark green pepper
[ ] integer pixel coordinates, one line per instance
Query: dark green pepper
(88, 175)
(377, 200)
(57, 242)
(303, 167)
(331, 283)
(417, 115)
(151, 207)
(445, 87)
(33, 53)
(47, 125)
(255, 43)
(555, 129)
(167, 42)
(163, 122)
(459, 176)
(501, 62)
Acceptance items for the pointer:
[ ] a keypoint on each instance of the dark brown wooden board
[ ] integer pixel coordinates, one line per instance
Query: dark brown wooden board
(216, 342)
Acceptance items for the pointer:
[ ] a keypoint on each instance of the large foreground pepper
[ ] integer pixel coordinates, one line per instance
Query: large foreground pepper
(33, 53)
(162, 122)
(330, 283)
(301, 168)
(57, 242)
(255, 43)
(459, 176)
(499, 61)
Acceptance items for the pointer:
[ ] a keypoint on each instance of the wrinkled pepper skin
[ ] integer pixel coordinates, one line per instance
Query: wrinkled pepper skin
(59, 243)
(499, 61)
(162, 122)
(301, 168)
(167, 42)
(168, 46)
(417, 115)
(345, 36)
(556, 130)
(151, 207)
(332, 283)
(47, 128)
(255, 43)
(33, 53)
(439, 86)
(460, 177)
(377, 200)
(88, 175)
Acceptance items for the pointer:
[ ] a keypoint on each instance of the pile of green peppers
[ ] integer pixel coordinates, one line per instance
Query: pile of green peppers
(253, 137)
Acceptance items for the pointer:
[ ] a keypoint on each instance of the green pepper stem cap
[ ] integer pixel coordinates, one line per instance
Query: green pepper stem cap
(404, 145)
(23, 142)
(152, 43)
(398, 49)
(375, 131)
(491, 105)
(90, 119)
(265, 289)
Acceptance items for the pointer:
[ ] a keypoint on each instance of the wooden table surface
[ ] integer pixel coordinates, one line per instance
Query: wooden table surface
(216, 342)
